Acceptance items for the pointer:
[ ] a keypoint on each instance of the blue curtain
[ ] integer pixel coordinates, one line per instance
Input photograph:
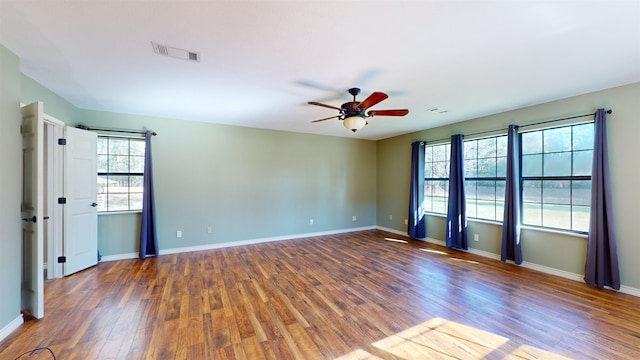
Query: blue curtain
(457, 212)
(511, 248)
(148, 235)
(417, 226)
(601, 268)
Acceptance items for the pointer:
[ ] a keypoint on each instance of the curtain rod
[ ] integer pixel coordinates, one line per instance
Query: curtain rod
(521, 126)
(115, 130)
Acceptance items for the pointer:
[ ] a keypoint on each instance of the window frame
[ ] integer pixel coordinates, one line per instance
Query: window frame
(129, 174)
(552, 178)
(427, 179)
(495, 179)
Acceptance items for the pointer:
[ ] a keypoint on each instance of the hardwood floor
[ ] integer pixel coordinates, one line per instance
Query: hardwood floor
(347, 296)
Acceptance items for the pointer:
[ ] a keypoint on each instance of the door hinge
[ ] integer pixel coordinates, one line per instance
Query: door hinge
(62, 141)
(62, 200)
(62, 259)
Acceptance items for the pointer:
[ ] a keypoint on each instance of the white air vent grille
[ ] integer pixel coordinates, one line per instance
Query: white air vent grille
(175, 52)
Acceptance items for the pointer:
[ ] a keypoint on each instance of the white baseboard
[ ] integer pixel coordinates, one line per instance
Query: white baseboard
(8, 329)
(104, 258)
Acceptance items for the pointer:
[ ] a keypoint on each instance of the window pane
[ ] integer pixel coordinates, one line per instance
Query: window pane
(501, 146)
(487, 148)
(135, 201)
(581, 192)
(137, 147)
(441, 170)
(501, 167)
(440, 205)
(532, 191)
(103, 163)
(118, 184)
(103, 145)
(580, 218)
(118, 146)
(486, 209)
(472, 211)
(102, 202)
(558, 139)
(135, 184)
(471, 168)
(118, 164)
(500, 190)
(440, 153)
(118, 202)
(487, 190)
(583, 137)
(500, 211)
(532, 214)
(531, 165)
(556, 216)
(557, 164)
(556, 192)
(470, 189)
(487, 167)
(532, 142)
(428, 154)
(440, 188)
(582, 162)
(137, 164)
(471, 149)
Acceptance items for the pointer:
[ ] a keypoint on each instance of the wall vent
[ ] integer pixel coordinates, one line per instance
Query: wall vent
(175, 52)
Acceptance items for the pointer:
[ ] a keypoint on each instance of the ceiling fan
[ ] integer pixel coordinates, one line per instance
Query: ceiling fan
(353, 114)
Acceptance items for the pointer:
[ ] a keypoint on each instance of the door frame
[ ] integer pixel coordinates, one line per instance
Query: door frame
(54, 185)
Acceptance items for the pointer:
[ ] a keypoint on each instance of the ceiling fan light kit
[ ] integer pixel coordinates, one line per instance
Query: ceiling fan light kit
(354, 123)
(353, 114)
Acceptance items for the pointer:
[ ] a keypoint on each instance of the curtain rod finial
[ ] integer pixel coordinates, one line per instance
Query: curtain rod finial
(609, 111)
(154, 133)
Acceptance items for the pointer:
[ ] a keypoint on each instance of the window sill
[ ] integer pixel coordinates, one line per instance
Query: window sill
(119, 212)
(554, 231)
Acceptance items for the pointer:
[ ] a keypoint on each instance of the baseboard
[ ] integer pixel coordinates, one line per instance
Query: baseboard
(8, 329)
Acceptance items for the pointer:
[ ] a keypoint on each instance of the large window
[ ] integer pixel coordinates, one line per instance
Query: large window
(120, 171)
(556, 177)
(485, 168)
(436, 182)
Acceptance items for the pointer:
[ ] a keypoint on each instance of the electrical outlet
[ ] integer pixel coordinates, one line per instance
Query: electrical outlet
(390, 217)
(476, 237)
(406, 222)
(179, 233)
(209, 230)
(310, 221)
(354, 218)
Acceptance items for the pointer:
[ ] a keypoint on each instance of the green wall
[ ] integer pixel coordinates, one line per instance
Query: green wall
(244, 183)
(548, 249)
(10, 191)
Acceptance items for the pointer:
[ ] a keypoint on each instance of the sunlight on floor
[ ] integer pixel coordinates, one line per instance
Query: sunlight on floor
(396, 240)
(440, 338)
(463, 260)
(435, 251)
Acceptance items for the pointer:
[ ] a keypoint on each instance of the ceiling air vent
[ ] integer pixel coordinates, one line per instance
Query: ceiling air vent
(175, 52)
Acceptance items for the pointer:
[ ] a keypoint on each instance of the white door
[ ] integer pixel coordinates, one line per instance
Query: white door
(80, 211)
(32, 210)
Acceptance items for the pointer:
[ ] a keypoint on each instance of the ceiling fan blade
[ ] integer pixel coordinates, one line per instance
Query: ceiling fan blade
(329, 118)
(325, 105)
(373, 99)
(399, 112)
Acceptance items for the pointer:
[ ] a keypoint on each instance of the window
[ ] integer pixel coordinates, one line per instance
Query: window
(436, 178)
(120, 170)
(556, 177)
(485, 169)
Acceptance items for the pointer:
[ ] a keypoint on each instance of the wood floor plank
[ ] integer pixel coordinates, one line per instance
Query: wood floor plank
(361, 295)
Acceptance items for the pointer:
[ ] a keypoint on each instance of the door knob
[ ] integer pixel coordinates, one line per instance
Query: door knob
(32, 219)
(94, 204)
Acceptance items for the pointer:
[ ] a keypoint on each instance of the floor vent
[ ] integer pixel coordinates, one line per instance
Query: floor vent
(175, 52)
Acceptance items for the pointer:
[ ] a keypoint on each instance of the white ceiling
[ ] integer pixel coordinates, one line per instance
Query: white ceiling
(262, 61)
